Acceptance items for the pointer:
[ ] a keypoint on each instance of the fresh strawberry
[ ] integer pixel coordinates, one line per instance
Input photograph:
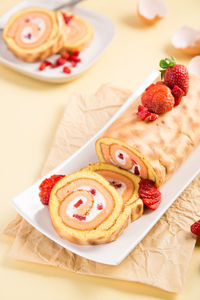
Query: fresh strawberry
(178, 93)
(160, 82)
(195, 228)
(152, 117)
(149, 193)
(150, 202)
(66, 70)
(42, 66)
(150, 86)
(65, 55)
(174, 74)
(158, 99)
(76, 53)
(61, 61)
(67, 18)
(143, 112)
(46, 187)
(154, 206)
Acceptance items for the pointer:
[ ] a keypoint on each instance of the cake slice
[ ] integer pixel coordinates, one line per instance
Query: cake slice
(86, 209)
(78, 33)
(34, 34)
(126, 184)
(153, 150)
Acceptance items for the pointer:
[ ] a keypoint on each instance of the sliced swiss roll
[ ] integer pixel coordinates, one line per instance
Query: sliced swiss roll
(153, 150)
(86, 209)
(34, 34)
(78, 33)
(126, 184)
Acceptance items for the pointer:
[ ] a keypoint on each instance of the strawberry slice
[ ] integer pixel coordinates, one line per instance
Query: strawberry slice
(151, 201)
(143, 112)
(158, 99)
(195, 228)
(178, 93)
(46, 187)
(155, 205)
(149, 193)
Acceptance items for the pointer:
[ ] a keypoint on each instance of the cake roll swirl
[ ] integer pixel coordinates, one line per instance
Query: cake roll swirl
(125, 183)
(78, 33)
(86, 209)
(34, 34)
(153, 150)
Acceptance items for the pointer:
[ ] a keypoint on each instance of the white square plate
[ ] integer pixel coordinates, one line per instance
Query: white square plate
(103, 35)
(29, 206)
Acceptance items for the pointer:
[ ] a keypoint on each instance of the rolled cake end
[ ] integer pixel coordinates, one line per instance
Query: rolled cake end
(34, 34)
(78, 34)
(126, 183)
(120, 154)
(85, 209)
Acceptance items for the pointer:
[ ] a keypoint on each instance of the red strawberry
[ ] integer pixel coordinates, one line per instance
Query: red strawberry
(67, 18)
(151, 203)
(61, 61)
(46, 187)
(143, 112)
(175, 74)
(152, 200)
(65, 55)
(155, 205)
(150, 86)
(66, 70)
(42, 66)
(195, 228)
(160, 82)
(149, 193)
(158, 99)
(178, 93)
(152, 117)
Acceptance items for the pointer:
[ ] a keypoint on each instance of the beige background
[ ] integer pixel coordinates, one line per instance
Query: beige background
(30, 111)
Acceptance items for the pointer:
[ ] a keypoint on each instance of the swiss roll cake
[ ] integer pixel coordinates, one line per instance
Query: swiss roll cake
(126, 183)
(35, 33)
(78, 33)
(153, 150)
(86, 209)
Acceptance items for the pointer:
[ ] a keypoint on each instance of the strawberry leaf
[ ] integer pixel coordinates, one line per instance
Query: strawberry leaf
(162, 73)
(167, 62)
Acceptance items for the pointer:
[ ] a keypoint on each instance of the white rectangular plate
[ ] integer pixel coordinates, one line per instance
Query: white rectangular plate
(103, 35)
(29, 206)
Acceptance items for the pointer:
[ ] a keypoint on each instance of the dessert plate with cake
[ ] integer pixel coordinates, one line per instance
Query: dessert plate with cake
(52, 45)
(103, 200)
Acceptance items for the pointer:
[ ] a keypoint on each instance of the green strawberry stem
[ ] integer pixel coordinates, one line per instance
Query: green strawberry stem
(166, 63)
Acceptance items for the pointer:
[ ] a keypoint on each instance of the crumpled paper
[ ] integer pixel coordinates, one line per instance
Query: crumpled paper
(163, 256)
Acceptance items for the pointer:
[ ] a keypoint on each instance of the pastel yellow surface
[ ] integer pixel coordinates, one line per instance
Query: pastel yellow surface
(30, 111)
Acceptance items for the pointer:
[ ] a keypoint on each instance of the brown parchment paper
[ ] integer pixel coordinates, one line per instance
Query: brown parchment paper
(161, 259)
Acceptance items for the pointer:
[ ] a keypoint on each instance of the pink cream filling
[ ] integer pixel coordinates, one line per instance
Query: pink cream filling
(124, 158)
(31, 29)
(75, 31)
(85, 204)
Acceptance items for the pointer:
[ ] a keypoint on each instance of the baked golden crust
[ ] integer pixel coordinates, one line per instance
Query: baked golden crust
(134, 201)
(52, 45)
(107, 231)
(165, 143)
